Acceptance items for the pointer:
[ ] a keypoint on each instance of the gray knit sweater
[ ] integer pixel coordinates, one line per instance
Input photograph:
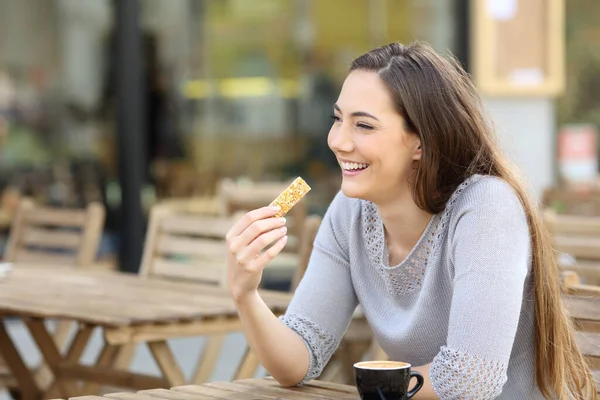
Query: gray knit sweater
(462, 299)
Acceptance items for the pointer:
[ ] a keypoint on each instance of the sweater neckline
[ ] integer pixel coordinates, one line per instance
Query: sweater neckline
(407, 276)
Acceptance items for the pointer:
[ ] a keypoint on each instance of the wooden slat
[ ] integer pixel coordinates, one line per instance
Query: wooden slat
(306, 390)
(44, 257)
(111, 377)
(206, 226)
(174, 395)
(576, 225)
(584, 290)
(589, 343)
(55, 217)
(176, 270)
(152, 333)
(198, 247)
(579, 246)
(129, 396)
(215, 392)
(51, 238)
(262, 392)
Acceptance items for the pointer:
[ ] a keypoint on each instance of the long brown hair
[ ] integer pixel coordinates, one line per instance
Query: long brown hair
(440, 104)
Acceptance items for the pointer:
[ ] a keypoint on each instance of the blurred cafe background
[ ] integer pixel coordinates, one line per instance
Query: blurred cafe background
(129, 103)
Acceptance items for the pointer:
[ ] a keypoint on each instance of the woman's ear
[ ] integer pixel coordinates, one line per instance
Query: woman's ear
(418, 152)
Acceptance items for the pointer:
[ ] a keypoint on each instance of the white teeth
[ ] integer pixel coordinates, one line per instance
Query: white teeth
(353, 166)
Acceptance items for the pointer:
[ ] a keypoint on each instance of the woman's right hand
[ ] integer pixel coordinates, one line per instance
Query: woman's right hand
(246, 242)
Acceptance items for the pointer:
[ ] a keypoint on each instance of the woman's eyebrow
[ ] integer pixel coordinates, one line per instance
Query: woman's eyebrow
(357, 113)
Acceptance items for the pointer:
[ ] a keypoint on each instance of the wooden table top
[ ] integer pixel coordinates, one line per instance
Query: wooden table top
(114, 299)
(244, 389)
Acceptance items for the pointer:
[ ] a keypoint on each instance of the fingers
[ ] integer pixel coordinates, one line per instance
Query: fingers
(255, 230)
(250, 252)
(259, 262)
(249, 218)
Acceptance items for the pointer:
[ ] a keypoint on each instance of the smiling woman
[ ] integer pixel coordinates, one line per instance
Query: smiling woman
(432, 234)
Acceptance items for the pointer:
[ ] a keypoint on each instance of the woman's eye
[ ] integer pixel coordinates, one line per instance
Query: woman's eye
(335, 118)
(363, 126)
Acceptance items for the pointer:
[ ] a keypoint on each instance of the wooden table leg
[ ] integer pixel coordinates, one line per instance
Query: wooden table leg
(78, 345)
(51, 355)
(27, 386)
(166, 362)
(209, 358)
(62, 331)
(248, 365)
(105, 359)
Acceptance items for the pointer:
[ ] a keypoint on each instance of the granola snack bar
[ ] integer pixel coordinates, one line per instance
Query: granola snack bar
(290, 196)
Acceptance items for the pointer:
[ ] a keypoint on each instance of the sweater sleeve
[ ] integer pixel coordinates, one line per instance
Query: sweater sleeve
(490, 258)
(324, 301)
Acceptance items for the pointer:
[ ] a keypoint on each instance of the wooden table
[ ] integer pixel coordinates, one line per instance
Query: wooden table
(243, 389)
(128, 308)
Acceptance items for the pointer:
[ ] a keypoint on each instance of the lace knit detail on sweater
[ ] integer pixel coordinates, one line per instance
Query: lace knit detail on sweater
(455, 375)
(320, 343)
(407, 276)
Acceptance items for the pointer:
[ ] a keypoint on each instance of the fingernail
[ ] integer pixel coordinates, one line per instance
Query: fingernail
(282, 220)
(276, 208)
(284, 239)
(283, 229)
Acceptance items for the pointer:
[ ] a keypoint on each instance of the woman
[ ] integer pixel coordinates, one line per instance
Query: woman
(432, 234)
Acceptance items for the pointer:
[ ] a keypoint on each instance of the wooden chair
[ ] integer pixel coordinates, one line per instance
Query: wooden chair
(53, 236)
(185, 246)
(182, 246)
(579, 237)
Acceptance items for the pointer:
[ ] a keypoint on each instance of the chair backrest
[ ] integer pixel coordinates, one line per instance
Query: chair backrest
(185, 246)
(576, 235)
(237, 198)
(311, 227)
(55, 235)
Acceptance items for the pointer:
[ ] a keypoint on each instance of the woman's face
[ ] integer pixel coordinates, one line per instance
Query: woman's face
(369, 139)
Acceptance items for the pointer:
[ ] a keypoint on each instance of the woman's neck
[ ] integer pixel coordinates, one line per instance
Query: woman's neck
(404, 223)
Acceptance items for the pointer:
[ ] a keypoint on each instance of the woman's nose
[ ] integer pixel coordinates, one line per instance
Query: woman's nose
(340, 140)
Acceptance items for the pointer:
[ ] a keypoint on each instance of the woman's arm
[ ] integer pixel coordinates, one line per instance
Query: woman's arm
(490, 257)
(297, 346)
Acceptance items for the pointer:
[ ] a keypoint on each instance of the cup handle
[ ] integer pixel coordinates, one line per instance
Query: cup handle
(419, 384)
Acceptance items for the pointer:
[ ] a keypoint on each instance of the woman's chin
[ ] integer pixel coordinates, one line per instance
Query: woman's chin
(353, 191)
